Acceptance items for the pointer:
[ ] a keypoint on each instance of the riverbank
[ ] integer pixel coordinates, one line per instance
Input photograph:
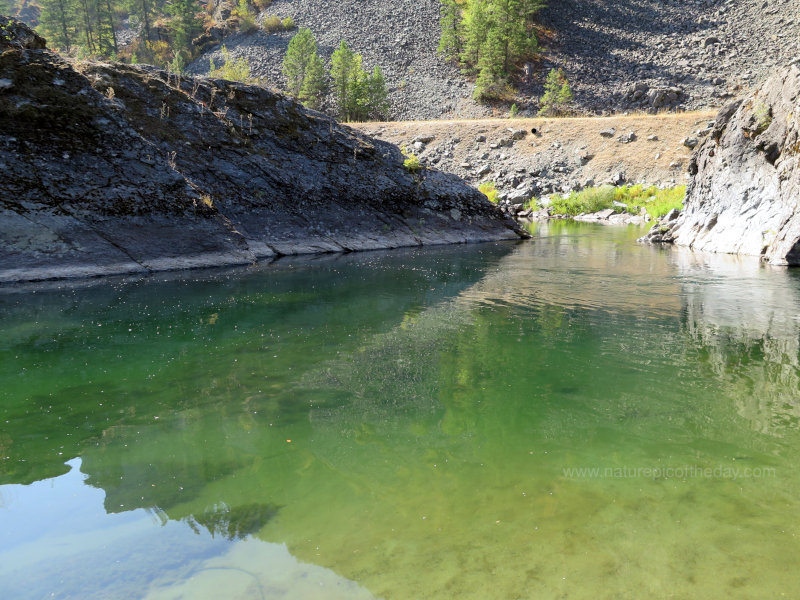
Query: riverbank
(113, 168)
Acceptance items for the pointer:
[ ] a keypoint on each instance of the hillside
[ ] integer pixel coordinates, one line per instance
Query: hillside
(112, 168)
(563, 154)
(618, 55)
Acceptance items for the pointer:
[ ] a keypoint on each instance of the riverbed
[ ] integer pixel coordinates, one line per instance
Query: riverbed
(575, 416)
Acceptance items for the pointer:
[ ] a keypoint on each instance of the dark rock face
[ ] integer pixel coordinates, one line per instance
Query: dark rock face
(116, 168)
(15, 34)
(744, 197)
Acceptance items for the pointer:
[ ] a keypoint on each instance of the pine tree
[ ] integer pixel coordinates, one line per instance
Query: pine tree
(347, 76)
(185, 25)
(377, 101)
(512, 31)
(491, 38)
(492, 80)
(315, 85)
(476, 25)
(299, 55)
(57, 23)
(557, 93)
(450, 21)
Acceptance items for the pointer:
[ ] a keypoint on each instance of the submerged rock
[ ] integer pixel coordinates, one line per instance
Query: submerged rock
(744, 192)
(111, 168)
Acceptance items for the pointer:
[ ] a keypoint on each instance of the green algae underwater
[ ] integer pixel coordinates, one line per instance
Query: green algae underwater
(577, 416)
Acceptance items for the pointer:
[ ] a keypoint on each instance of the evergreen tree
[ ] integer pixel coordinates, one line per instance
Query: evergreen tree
(490, 37)
(347, 76)
(511, 31)
(299, 55)
(315, 85)
(185, 25)
(557, 93)
(476, 25)
(377, 102)
(57, 23)
(450, 21)
(492, 80)
(143, 12)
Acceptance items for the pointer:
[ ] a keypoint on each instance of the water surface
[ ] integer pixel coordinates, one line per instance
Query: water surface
(573, 417)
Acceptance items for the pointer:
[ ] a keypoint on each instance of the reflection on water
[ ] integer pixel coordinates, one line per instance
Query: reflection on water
(575, 416)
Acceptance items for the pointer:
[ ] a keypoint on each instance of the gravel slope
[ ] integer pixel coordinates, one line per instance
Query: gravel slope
(619, 55)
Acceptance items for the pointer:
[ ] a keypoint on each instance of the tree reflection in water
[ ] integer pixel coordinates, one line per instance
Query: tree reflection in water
(233, 523)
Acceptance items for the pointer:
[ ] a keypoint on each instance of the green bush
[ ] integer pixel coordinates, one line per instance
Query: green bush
(763, 117)
(271, 24)
(247, 20)
(233, 69)
(489, 190)
(655, 201)
(288, 23)
(411, 163)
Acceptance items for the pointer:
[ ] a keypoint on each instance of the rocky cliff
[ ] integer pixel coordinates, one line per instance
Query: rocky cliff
(110, 168)
(744, 195)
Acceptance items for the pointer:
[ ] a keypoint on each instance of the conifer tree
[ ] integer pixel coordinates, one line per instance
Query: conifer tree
(377, 101)
(347, 75)
(185, 25)
(476, 25)
(450, 43)
(492, 78)
(557, 93)
(57, 21)
(315, 85)
(299, 55)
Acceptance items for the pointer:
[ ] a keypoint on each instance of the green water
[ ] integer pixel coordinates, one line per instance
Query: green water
(577, 416)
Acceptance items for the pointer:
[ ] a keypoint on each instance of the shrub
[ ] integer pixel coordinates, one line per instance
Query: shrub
(288, 23)
(247, 20)
(655, 201)
(236, 69)
(763, 117)
(557, 94)
(260, 4)
(411, 163)
(488, 189)
(271, 24)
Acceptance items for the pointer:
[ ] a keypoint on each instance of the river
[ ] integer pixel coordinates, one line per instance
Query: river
(575, 416)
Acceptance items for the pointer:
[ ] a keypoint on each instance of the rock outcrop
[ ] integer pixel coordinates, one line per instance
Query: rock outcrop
(110, 168)
(744, 195)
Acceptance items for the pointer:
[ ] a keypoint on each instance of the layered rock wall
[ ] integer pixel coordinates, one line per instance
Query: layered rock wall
(110, 168)
(744, 195)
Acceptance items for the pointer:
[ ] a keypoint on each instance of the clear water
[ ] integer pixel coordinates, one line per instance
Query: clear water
(573, 417)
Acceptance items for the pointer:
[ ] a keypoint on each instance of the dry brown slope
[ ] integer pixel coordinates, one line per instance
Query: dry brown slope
(564, 151)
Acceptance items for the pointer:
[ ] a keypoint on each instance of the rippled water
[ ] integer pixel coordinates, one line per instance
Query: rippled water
(573, 417)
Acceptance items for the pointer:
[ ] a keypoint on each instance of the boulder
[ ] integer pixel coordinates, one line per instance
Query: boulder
(15, 34)
(743, 196)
